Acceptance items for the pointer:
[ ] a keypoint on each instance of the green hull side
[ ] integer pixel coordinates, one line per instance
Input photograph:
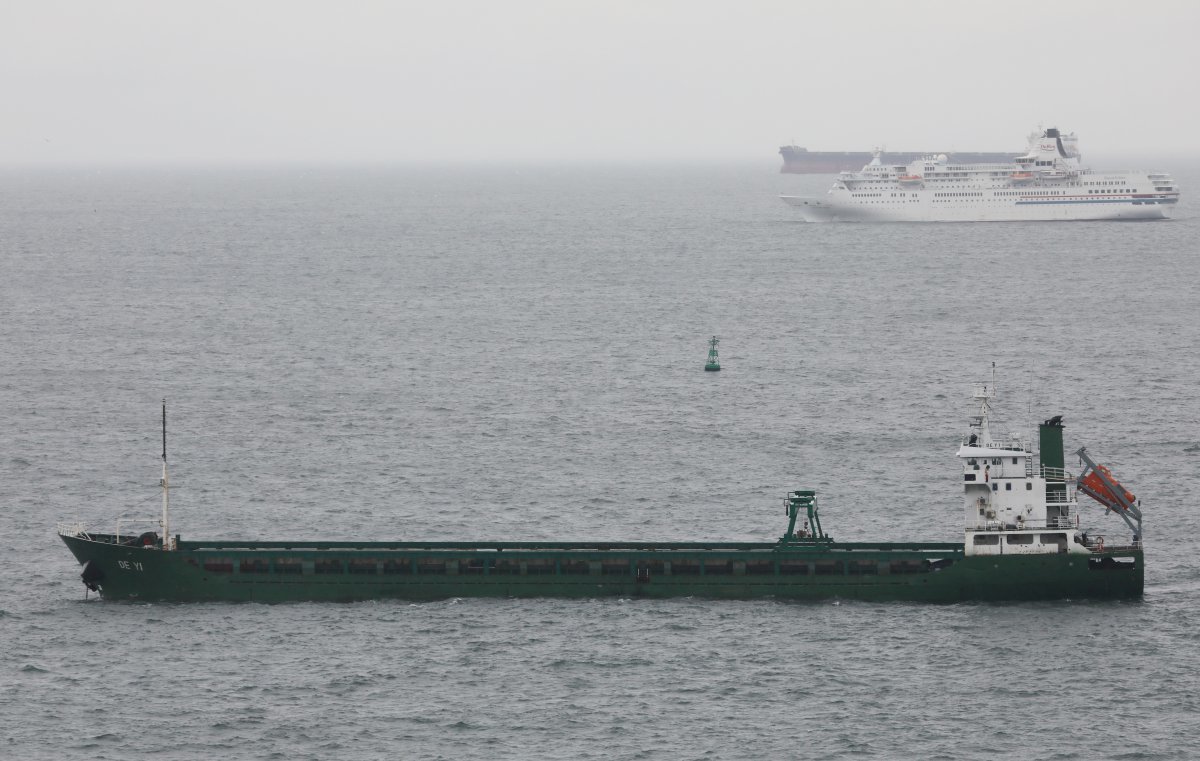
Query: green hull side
(135, 573)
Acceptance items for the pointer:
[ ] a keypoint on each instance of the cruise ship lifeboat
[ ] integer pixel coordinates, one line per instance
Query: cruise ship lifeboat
(1022, 176)
(911, 179)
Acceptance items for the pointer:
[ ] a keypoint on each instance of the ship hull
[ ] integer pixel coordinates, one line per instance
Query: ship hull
(305, 571)
(1000, 210)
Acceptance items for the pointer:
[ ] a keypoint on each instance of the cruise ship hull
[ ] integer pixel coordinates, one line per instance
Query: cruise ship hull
(343, 571)
(813, 209)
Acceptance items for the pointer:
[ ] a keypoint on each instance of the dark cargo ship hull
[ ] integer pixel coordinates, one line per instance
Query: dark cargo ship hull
(345, 571)
(797, 160)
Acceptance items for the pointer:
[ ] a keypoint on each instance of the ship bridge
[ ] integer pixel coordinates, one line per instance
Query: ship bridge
(1015, 501)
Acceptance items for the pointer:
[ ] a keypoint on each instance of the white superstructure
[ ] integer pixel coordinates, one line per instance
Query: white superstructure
(1021, 502)
(1046, 183)
(1009, 509)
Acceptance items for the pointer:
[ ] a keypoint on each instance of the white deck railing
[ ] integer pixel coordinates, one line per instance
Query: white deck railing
(72, 529)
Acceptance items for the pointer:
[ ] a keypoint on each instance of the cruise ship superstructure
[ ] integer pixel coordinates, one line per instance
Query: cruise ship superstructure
(1047, 183)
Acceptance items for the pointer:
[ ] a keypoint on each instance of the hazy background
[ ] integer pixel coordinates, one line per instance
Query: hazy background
(152, 82)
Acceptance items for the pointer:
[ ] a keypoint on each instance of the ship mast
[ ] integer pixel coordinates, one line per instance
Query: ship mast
(166, 484)
(983, 394)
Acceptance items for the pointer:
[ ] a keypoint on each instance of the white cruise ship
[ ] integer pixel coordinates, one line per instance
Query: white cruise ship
(1047, 183)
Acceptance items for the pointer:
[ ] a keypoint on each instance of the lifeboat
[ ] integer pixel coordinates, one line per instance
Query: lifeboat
(1094, 483)
(1022, 176)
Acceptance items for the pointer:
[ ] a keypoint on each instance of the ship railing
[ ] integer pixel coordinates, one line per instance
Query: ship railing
(72, 529)
(1026, 525)
(135, 522)
(983, 391)
(1097, 543)
(1055, 474)
(1012, 445)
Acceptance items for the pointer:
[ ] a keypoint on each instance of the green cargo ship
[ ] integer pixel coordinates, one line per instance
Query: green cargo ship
(1021, 542)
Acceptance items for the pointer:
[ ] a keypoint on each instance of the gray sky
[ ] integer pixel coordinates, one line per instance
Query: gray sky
(581, 80)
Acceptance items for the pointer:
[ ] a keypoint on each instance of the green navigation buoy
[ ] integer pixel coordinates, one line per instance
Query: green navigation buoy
(713, 363)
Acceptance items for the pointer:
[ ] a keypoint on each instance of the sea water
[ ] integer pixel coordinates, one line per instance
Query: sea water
(509, 352)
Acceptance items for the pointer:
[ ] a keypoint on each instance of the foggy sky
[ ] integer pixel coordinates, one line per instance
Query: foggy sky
(577, 80)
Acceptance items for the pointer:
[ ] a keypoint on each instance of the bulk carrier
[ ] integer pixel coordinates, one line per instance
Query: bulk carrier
(1022, 540)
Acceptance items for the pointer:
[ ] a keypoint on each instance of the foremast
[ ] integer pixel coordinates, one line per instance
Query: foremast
(166, 485)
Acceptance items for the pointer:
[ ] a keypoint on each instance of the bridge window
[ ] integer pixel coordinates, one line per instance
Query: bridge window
(982, 540)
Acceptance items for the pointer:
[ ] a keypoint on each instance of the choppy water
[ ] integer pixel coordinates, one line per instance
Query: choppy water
(517, 353)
